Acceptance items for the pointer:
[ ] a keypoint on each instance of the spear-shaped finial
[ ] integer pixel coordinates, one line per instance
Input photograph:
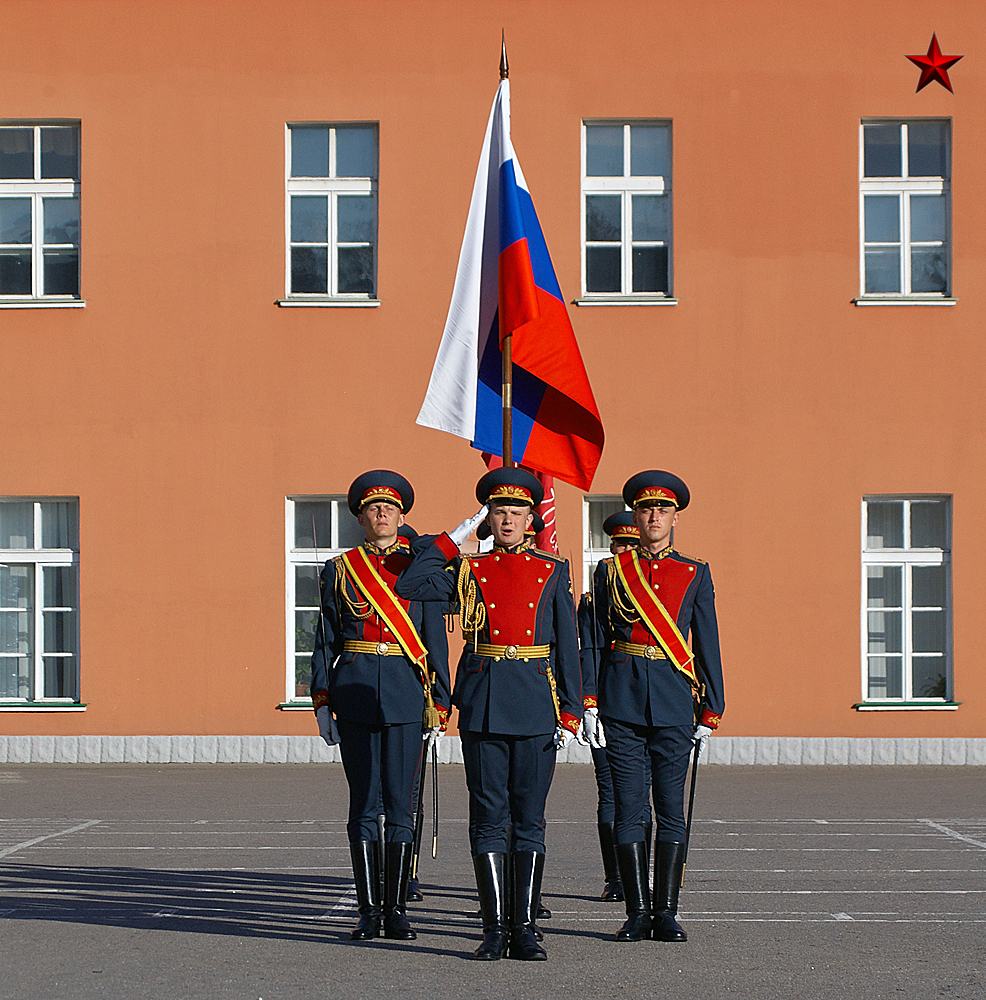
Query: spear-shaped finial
(504, 67)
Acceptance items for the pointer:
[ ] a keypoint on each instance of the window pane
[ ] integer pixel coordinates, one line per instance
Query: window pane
(602, 217)
(883, 586)
(16, 632)
(15, 272)
(927, 218)
(650, 269)
(309, 269)
(61, 272)
(310, 220)
(350, 532)
(885, 524)
(650, 217)
(649, 150)
(928, 586)
(60, 151)
(886, 677)
(16, 525)
(357, 218)
(928, 525)
(604, 150)
(61, 589)
(928, 677)
(16, 587)
(313, 524)
(356, 269)
(59, 524)
(928, 270)
(926, 149)
(881, 217)
(306, 586)
(304, 631)
(60, 631)
(61, 677)
(309, 151)
(15, 220)
(61, 220)
(356, 151)
(302, 676)
(602, 269)
(15, 673)
(17, 153)
(928, 631)
(884, 631)
(881, 151)
(882, 269)
(599, 510)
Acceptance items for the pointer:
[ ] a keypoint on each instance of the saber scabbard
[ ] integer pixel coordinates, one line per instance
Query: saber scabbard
(419, 815)
(434, 795)
(691, 807)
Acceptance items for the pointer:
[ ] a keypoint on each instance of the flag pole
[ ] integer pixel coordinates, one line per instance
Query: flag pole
(505, 339)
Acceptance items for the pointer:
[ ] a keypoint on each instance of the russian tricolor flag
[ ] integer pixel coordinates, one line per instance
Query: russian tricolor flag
(505, 283)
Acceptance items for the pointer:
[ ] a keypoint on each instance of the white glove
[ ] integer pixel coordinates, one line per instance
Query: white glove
(562, 737)
(701, 737)
(468, 526)
(591, 731)
(327, 727)
(432, 734)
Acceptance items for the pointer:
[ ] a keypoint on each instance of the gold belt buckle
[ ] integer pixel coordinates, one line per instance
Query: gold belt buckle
(651, 653)
(382, 648)
(510, 652)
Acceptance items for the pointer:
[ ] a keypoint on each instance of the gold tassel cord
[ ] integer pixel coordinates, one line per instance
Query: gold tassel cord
(472, 613)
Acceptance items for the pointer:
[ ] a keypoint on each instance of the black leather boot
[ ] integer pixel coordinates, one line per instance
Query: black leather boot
(528, 867)
(613, 889)
(632, 859)
(414, 893)
(397, 870)
(667, 882)
(366, 872)
(490, 880)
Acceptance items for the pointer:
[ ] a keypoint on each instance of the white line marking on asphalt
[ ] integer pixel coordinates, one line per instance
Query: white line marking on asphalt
(953, 833)
(841, 916)
(37, 840)
(345, 904)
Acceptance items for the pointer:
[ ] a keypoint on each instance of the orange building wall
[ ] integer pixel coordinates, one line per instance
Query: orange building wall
(182, 405)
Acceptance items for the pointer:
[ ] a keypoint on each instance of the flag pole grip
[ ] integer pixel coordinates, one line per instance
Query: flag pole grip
(508, 384)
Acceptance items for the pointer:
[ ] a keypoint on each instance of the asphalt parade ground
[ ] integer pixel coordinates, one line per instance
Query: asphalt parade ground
(179, 882)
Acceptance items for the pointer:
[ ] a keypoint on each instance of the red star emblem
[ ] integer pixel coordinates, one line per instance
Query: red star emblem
(934, 66)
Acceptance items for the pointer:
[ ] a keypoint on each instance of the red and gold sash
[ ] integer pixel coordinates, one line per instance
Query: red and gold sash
(382, 599)
(653, 613)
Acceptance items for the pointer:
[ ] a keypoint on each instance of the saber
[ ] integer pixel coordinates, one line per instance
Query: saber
(419, 815)
(691, 807)
(434, 796)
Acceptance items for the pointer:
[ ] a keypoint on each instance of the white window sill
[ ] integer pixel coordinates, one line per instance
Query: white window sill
(907, 706)
(41, 706)
(295, 706)
(42, 303)
(902, 300)
(627, 300)
(327, 303)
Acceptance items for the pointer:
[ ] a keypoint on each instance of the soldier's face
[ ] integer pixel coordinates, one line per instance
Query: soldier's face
(655, 524)
(617, 547)
(380, 521)
(508, 523)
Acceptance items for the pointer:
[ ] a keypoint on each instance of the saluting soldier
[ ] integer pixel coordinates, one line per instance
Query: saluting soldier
(519, 694)
(660, 689)
(623, 535)
(375, 689)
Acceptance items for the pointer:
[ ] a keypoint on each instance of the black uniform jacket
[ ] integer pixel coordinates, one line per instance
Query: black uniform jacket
(653, 692)
(513, 599)
(367, 687)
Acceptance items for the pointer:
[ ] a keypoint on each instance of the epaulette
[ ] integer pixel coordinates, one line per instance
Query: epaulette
(694, 559)
(549, 555)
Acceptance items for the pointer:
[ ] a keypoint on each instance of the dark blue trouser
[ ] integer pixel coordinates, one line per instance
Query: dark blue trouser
(508, 779)
(668, 748)
(606, 806)
(380, 764)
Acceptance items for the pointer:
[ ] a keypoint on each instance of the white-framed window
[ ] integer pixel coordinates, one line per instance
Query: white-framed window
(905, 210)
(595, 541)
(39, 600)
(626, 210)
(331, 213)
(906, 599)
(316, 528)
(39, 212)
